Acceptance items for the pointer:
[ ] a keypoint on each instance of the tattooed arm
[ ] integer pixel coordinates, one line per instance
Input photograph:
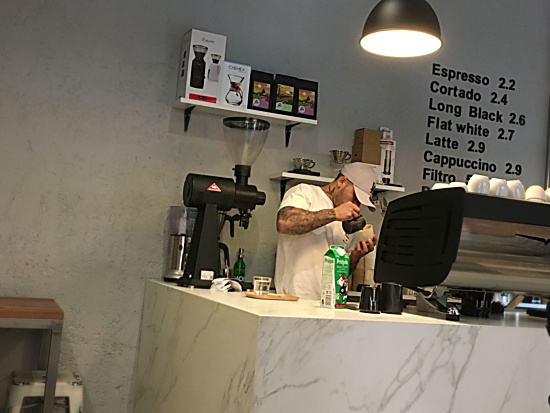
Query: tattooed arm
(297, 221)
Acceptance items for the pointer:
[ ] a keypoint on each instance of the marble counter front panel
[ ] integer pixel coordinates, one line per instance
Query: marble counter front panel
(208, 351)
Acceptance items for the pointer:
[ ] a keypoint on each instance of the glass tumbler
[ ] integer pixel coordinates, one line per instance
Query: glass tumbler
(261, 285)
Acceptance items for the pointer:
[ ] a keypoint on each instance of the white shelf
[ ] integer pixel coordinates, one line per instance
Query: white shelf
(390, 188)
(225, 110)
(285, 177)
(312, 179)
(289, 176)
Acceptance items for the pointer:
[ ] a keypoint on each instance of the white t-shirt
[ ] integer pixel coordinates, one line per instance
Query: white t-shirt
(299, 262)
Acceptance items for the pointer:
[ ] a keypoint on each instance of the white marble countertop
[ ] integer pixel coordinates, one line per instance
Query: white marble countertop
(312, 310)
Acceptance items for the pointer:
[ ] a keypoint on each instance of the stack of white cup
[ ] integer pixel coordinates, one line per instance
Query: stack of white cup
(482, 184)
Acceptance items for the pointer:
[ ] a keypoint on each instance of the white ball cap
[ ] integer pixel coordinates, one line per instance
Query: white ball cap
(363, 178)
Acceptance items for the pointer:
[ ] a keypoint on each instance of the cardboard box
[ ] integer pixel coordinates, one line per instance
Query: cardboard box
(367, 137)
(201, 63)
(366, 153)
(366, 146)
(235, 81)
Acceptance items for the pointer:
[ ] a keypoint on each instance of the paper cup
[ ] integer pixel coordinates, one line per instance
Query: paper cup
(440, 185)
(535, 193)
(516, 189)
(479, 184)
(498, 187)
(365, 234)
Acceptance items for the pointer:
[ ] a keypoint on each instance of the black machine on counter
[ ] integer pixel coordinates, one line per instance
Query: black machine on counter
(469, 243)
(245, 138)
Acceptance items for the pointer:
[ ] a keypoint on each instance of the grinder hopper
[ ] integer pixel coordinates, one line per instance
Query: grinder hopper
(245, 138)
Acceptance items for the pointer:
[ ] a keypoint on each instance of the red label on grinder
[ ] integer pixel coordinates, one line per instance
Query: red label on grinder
(214, 188)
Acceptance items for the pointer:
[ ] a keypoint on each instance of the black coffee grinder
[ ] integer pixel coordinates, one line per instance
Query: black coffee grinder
(198, 66)
(245, 138)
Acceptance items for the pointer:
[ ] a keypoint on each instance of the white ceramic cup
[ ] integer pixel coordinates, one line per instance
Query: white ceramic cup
(459, 185)
(479, 184)
(535, 193)
(516, 189)
(440, 185)
(498, 187)
(366, 233)
(547, 194)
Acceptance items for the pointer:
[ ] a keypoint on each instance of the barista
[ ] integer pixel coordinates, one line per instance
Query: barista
(309, 221)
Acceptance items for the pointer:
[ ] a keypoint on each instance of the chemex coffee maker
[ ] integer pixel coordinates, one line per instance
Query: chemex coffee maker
(245, 138)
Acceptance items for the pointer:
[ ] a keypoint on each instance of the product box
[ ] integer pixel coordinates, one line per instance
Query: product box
(366, 136)
(334, 279)
(307, 98)
(201, 63)
(235, 81)
(370, 147)
(366, 153)
(387, 133)
(285, 95)
(366, 146)
(261, 95)
(387, 161)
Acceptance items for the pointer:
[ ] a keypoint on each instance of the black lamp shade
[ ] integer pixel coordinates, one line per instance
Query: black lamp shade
(414, 20)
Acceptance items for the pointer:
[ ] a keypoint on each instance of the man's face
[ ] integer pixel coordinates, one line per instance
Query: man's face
(345, 193)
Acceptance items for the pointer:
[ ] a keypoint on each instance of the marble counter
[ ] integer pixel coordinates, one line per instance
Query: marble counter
(207, 351)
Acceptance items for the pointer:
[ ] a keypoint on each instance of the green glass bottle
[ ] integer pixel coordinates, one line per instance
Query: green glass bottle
(239, 268)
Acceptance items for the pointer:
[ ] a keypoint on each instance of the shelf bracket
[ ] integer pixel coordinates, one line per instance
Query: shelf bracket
(282, 187)
(288, 129)
(187, 117)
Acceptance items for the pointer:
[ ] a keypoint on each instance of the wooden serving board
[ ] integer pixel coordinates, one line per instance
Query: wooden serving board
(272, 296)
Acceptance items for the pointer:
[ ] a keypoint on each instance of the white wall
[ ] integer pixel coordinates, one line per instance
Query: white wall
(93, 154)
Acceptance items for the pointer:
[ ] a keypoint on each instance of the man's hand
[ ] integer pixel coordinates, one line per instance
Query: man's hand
(347, 211)
(361, 249)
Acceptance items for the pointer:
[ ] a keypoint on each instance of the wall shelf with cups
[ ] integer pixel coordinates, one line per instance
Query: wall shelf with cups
(286, 177)
(188, 105)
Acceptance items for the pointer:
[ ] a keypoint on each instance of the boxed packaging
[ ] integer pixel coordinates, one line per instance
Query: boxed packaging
(366, 146)
(387, 133)
(366, 153)
(334, 279)
(201, 62)
(285, 95)
(235, 81)
(307, 99)
(387, 161)
(261, 94)
(370, 147)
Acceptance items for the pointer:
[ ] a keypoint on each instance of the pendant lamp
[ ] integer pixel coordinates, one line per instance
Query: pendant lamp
(401, 28)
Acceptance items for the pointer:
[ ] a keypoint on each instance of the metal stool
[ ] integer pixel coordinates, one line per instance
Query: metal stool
(27, 384)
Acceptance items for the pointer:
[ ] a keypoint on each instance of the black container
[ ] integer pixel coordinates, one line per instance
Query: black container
(286, 99)
(307, 98)
(369, 302)
(391, 298)
(261, 92)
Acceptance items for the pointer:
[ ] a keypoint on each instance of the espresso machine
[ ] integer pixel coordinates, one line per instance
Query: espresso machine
(467, 245)
(245, 138)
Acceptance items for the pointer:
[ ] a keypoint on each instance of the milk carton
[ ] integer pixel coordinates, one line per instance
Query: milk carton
(334, 280)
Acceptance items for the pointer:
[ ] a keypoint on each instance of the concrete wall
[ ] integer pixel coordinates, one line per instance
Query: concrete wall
(93, 154)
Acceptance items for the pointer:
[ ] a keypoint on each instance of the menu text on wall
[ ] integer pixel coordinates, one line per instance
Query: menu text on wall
(468, 114)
